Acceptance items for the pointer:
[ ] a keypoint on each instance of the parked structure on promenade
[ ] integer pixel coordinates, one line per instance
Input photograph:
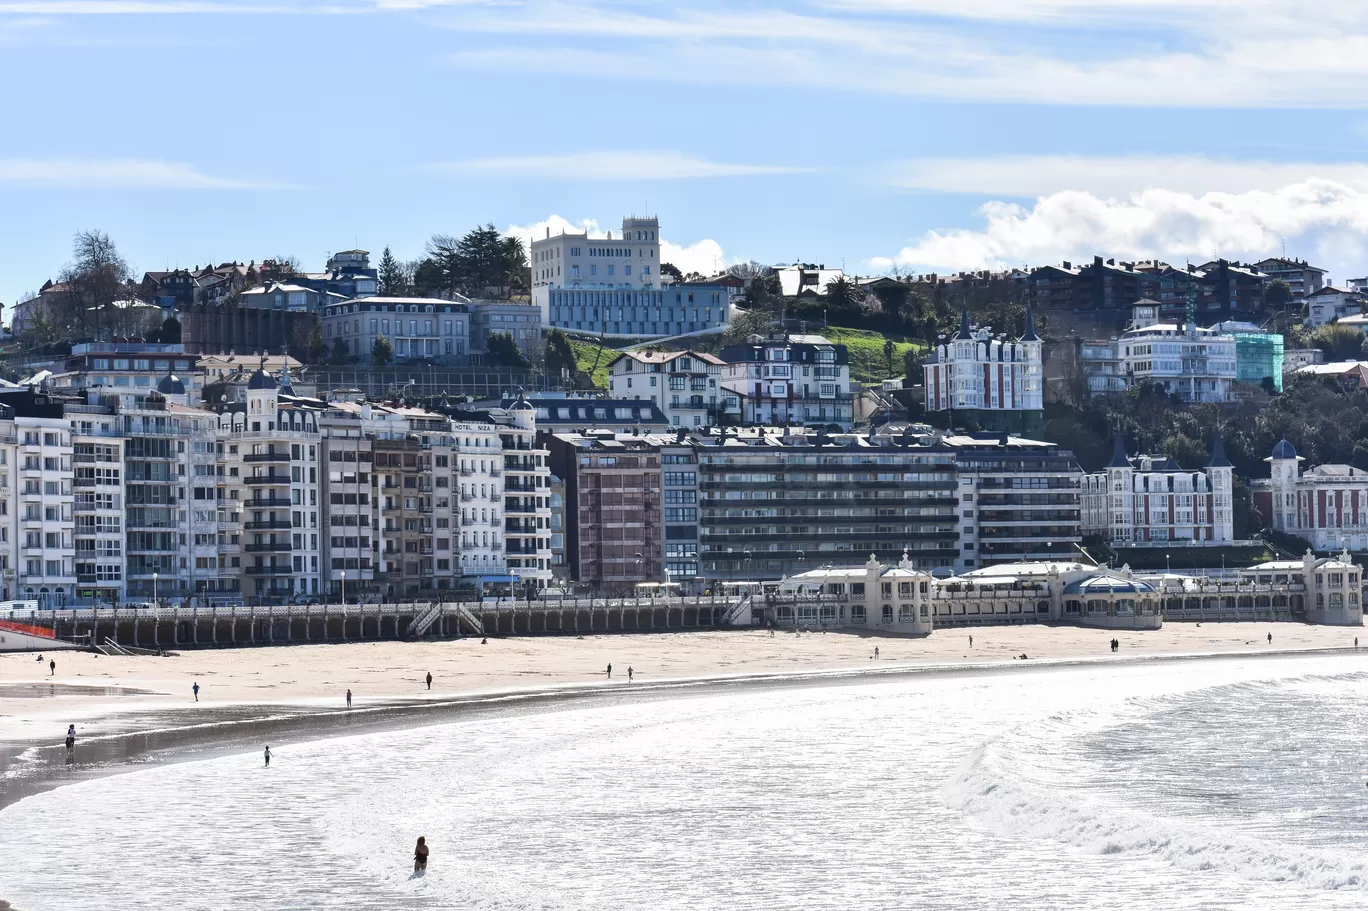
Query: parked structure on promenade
(989, 381)
(1148, 500)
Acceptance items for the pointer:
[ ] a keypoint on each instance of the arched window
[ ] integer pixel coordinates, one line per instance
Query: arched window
(905, 613)
(888, 613)
(857, 613)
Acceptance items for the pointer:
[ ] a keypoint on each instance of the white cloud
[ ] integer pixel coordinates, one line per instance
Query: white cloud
(112, 174)
(607, 165)
(1108, 176)
(1323, 216)
(703, 256)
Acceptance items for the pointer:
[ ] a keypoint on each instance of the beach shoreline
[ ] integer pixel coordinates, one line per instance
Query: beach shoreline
(131, 712)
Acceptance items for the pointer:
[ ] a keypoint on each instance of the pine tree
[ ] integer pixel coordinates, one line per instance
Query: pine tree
(382, 352)
(316, 347)
(391, 275)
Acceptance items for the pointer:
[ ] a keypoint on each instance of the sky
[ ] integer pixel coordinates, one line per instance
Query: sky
(877, 135)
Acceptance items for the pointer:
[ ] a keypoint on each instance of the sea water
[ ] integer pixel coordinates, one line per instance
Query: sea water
(1233, 783)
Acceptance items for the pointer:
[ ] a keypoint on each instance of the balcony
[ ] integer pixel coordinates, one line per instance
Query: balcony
(266, 502)
(267, 457)
(276, 570)
(273, 480)
(272, 548)
(268, 526)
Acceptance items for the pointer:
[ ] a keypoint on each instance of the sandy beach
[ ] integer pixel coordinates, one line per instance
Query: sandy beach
(101, 694)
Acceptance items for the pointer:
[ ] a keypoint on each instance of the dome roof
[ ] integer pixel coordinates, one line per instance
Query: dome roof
(1284, 450)
(170, 385)
(261, 380)
(522, 404)
(1103, 584)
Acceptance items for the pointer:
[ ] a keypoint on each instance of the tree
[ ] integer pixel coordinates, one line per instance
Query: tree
(671, 270)
(763, 291)
(889, 350)
(560, 356)
(279, 268)
(843, 294)
(316, 347)
(96, 277)
(390, 275)
(912, 367)
(482, 259)
(892, 297)
(750, 271)
(504, 351)
(1277, 294)
(745, 324)
(382, 352)
(170, 333)
(1340, 343)
(340, 354)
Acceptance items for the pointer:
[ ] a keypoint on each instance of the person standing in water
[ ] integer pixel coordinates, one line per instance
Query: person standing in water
(268, 757)
(71, 737)
(420, 856)
(348, 698)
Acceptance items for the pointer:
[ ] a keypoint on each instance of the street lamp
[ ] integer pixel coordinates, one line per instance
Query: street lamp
(344, 588)
(154, 589)
(1167, 568)
(636, 591)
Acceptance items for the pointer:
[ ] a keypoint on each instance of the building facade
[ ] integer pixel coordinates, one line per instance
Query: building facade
(1327, 505)
(686, 385)
(581, 262)
(1151, 500)
(793, 379)
(674, 309)
(1198, 365)
(417, 328)
(994, 383)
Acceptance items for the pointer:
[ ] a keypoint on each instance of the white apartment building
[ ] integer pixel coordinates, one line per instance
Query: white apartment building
(416, 327)
(527, 495)
(1329, 304)
(995, 381)
(44, 529)
(629, 261)
(1327, 505)
(272, 445)
(1151, 500)
(686, 385)
(800, 379)
(1198, 365)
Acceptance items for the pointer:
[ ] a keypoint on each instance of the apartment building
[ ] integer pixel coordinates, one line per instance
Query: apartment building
(45, 534)
(578, 261)
(426, 328)
(1196, 364)
(990, 381)
(613, 508)
(686, 385)
(774, 502)
(1303, 278)
(792, 379)
(681, 308)
(1019, 500)
(99, 504)
(347, 458)
(1151, 500)
(527, 495)
(1219, 289)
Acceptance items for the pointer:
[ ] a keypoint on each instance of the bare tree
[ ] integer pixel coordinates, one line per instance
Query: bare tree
(91, 283)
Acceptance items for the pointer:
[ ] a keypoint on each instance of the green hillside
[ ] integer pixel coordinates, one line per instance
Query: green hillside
(867, 361)
(585, 354)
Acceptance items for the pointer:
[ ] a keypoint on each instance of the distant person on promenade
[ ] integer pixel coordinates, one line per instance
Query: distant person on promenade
(420, 856)
(876, 651)
(1270, 638)
(610, 671)
(629, 673)
(268, 757)
(52, 668)
(429, 679)
(971, 641)
(348, 698)
(196, 689)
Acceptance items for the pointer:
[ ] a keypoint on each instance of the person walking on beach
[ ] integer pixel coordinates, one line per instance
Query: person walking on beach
(1270, 638)
(348, 698)
(429, 679)
(629, 673)
(420, 856)
(52, 668)
(971, 641)
(610, 671)
(876, 651)
(268, 757)
(196, 689)
(71, 737)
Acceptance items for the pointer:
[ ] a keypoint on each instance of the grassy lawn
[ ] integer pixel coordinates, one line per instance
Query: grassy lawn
(867, 361)
(585, 354)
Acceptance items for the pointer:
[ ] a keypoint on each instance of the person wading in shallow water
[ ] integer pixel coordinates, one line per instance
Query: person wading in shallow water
(420, 856)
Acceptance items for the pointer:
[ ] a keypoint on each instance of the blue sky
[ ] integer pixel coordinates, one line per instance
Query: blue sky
(909, 134)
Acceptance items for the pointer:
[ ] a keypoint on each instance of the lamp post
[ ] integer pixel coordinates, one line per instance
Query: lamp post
(636, 589)
(1167, 567)
(154, 589)
(344, 588)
